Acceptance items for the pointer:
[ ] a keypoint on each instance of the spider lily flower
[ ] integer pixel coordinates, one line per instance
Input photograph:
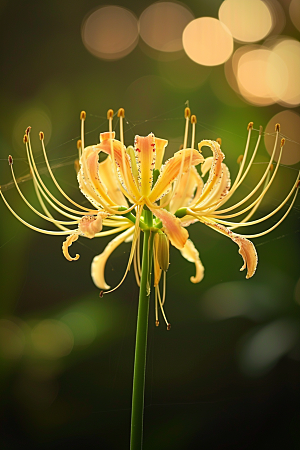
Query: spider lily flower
(132, 190)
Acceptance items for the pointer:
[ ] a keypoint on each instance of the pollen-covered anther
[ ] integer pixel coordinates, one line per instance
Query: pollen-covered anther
(110, 114)
(27, 131)
(250, 126)
(187, 113)
(82, 115)
(298, 184)
(271, 167)
(10, 160)
(121, 113)
(240, 159)
(193, 119)
(157, 323)
(79, 144)
(260, 130)
(169, 327)
(277, 127)
(41, 135)
(101, 293)
(282, 142)
(25, 139)
(219, 141)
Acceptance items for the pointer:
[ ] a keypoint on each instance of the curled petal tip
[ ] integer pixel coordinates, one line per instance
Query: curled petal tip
(65, 247)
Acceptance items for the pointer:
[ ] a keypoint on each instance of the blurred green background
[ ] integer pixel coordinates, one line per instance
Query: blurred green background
(227, 374)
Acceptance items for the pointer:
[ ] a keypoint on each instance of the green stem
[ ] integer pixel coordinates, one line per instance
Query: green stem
(137, 411)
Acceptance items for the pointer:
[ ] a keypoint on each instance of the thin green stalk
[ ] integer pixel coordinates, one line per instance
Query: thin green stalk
(137, 412)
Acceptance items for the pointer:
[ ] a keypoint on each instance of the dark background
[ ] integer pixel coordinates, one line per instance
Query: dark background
(227, 374)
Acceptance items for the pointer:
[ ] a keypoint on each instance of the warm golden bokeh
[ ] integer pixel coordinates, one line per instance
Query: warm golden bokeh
(207, 41)
(247, 20)
(294, 11)
(290, 128)
(159, 33)
(110, 32)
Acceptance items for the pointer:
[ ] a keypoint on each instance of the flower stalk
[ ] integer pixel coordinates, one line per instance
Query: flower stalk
(137, 412)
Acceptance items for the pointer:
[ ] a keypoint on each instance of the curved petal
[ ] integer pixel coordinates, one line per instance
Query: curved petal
(246, 247)
(171, 169)
(107, 177)
(160, 145)
(99, 262)
(145, 155)
(65, 247)
(215, 174)
(190, 253)
(90, 225)
(125, 173)
(184, 194)
(172, 227)
(219, 189)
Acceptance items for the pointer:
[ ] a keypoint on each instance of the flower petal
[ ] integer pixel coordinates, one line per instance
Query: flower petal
(65, 247)
(124, 173)
(160, 145)
(145, 154)
(190, 253)
(246, 247)
(99, 262)
(172, 227)
(216, 172)
(171, 169)
(184, 194)
(108, 178)
(219, 189)
(90, 225)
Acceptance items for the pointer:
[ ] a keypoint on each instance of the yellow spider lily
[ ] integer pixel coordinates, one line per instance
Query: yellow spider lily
(133, 181)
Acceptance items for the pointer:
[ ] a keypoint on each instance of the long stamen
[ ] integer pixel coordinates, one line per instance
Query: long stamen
(134, 240)
(82, 118)
(156, 307)
(162, 310)
(187, 115)
(254, 222)
(41, 184)
(40, 230)
(259, 183)
(257, 201)
(54, 179)
(248, 236)
(29, 204)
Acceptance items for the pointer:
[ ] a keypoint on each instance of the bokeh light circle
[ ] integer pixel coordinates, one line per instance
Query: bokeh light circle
(294, 11)
(110, 32)
(247, 20)
(12, 339)
(38, 120)
(161, 25)
(207, 41)
(52, 339)
(290, 128)
(288, 50)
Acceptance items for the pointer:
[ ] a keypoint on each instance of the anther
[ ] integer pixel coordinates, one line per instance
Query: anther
(121, 113)
(25, 138)
(101, 293)
(181, 147)
(277, 127)
(110, 114)
(219, 141)
(193, 119)
(298, 184)
(79, 144)
(260, 130)
(27, 131)
(82, 115)
(187, 113)
(240, 159)
(250, 126)
(282, 142)
(157, 323)
(169, 327)
(10, 160)
(41, 134)
(271, 167)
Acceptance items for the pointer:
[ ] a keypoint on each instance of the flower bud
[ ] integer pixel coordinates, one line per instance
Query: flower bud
(163, 251)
